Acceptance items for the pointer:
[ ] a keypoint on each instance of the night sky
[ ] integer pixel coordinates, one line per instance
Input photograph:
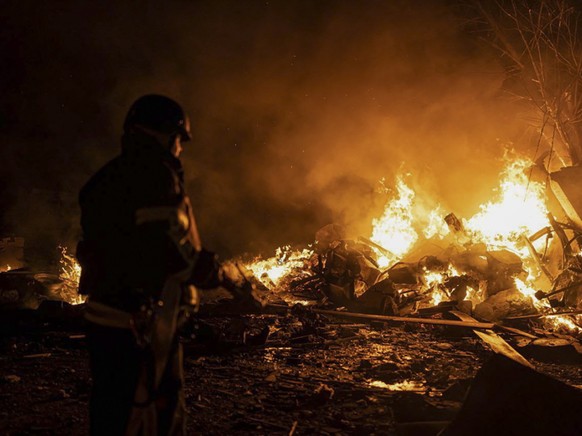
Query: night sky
(298, 109)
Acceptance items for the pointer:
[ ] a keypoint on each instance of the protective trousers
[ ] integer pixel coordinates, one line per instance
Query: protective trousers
(116, 363)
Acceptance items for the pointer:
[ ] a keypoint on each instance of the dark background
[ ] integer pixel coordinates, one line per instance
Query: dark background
(298, 109)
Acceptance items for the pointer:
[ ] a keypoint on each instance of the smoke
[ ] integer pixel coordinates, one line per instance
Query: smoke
(298, 108)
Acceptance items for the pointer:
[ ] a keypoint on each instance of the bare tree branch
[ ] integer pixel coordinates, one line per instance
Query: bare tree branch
(540, 39)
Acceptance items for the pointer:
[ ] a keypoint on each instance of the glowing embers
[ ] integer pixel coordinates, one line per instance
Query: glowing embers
(406, 385)
(565, 323)
(559, 322)
(434, 280)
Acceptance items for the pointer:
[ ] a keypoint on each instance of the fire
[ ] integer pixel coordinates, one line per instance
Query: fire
(528, 291)
(436, 225)
(558, 322)
(475, 295)
(438, 295)
(403, 222)
(394, 229)
(433, 279)
(6, 268)
(565, 323)
(521, 209)
(273, 270)
(70, 274)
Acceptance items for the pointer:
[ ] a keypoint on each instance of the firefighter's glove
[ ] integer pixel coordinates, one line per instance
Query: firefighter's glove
(206, 273)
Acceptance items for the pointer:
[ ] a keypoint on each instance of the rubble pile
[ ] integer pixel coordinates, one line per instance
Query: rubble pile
(360, 335)
(513, 259)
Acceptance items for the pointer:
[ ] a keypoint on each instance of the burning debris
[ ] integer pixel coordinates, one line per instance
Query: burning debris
(380, 331)
(70, 274)
(511, 259)
(437, 276)
(21, 288)
(286, 262)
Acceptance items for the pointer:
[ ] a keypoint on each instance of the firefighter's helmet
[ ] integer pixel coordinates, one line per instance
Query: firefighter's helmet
(160, 114)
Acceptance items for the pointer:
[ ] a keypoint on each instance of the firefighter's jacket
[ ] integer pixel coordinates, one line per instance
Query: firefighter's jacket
(131, 211)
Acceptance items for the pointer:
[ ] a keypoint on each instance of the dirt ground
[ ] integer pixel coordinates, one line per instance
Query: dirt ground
(309, 375)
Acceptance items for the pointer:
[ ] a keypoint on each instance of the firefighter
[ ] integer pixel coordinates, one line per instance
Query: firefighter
(141, 260)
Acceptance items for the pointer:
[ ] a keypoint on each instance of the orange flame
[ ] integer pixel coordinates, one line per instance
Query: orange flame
(70, 274)
(394, 229)
(273, 270)
(558, 322)
(403, 223)
(521, 209)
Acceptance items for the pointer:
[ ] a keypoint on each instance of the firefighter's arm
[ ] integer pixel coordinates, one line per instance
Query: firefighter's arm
(209, 273)
(165, 239)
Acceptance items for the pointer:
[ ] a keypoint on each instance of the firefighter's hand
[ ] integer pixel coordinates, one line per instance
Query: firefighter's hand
(235, 280)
